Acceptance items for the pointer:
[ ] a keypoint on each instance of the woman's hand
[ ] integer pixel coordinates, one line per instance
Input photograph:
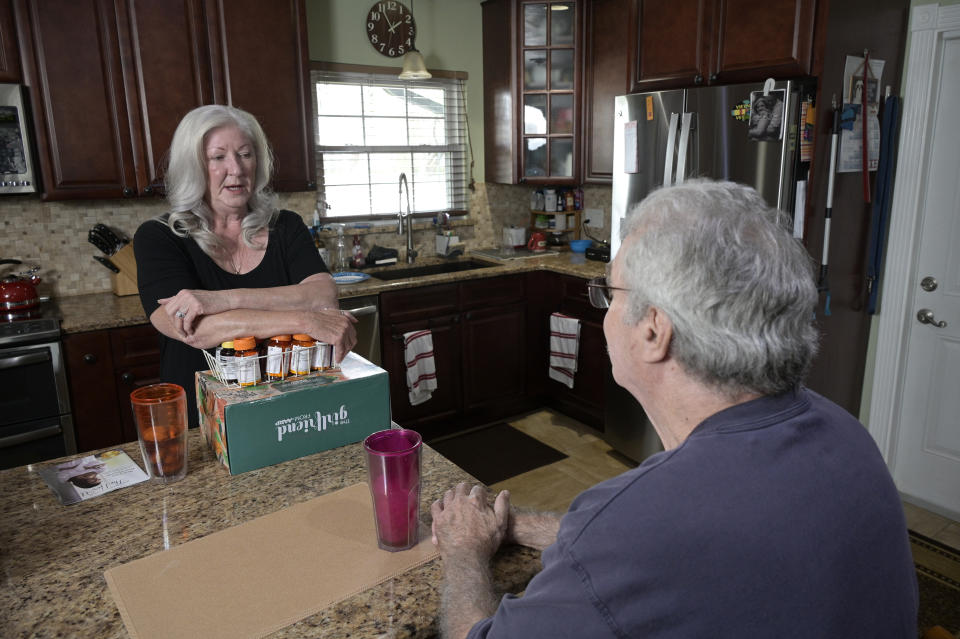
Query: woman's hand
(187, 307)
(334, 326)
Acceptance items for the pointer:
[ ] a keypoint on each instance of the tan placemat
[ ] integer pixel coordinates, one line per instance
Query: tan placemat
(266, 574)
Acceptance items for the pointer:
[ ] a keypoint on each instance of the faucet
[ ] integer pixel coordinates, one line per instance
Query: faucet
(411, 254)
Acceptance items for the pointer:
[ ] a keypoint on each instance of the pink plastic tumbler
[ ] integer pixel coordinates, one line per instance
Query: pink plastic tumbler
(393, 467)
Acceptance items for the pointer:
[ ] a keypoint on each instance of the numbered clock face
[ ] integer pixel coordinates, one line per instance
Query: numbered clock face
(391, 28)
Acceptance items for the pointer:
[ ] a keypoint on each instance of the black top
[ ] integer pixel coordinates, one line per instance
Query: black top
(167, 264)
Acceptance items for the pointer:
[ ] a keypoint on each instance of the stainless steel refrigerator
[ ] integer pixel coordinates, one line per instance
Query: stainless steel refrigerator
(745, 133)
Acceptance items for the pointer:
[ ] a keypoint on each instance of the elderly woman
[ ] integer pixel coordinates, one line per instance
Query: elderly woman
(225, 263)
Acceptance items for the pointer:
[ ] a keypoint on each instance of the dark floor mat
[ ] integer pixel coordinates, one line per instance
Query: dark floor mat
(498, 452)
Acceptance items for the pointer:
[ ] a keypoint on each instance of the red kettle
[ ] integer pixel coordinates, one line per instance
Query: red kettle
(18, 292)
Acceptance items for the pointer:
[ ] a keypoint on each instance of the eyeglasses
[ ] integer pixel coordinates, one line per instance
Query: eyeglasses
(600, 293)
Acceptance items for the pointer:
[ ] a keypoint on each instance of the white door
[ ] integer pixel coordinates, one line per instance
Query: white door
(917, 382)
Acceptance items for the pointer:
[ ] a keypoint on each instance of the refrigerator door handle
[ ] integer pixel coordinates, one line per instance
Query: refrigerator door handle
(671, 139)
(684, 144)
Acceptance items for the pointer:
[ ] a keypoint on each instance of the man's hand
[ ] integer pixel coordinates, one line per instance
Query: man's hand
(468, 532)
(464, 526)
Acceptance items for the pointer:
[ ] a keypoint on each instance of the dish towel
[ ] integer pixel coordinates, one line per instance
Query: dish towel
(421, 369)
(564, 346)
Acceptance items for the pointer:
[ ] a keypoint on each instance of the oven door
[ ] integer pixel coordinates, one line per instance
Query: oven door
(28, 377)
(35, 441)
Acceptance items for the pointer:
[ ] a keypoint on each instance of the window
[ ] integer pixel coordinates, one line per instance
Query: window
(371, 128)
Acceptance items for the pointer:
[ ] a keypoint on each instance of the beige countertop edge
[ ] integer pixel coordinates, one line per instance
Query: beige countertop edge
(98, 311)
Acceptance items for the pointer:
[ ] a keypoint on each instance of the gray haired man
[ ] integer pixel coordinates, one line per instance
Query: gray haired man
(770, 513)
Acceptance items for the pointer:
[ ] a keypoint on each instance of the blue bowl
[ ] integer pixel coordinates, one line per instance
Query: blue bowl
(579, 246)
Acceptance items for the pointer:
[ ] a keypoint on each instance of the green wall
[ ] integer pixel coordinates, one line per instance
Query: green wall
(449, 37)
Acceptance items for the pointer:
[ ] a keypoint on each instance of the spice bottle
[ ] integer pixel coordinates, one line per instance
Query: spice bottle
(279, 349)
(248, 366)
(301, 355)
(226, 356)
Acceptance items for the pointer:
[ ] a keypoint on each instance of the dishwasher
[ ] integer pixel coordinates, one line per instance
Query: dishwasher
(367, 311)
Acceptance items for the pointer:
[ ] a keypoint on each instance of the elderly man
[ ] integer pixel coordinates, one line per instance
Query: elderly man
(769, 514)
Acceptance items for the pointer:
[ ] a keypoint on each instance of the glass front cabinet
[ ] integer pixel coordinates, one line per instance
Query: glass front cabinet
(532, 76)
(547, 88)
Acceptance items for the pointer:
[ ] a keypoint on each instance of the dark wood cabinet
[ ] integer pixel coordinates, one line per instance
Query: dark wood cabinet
(103, 368)
(585, 401)
(479, 340)
(609, 30)
(426, 418)
(270, 78)
(110, 80)
(684, 44)
(9, 53)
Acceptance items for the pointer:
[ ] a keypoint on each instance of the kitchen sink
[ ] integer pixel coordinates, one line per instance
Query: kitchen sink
(431, 269)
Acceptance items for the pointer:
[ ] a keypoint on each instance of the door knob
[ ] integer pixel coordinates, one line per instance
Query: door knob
(929, 283)
(925, 316)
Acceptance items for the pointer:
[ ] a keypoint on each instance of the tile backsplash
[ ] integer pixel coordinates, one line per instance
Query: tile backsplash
(53, 235)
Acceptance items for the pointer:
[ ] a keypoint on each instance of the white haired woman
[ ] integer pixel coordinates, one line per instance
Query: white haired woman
(224, 262)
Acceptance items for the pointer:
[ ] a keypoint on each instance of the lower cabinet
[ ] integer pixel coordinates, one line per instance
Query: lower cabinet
(103, 368)
(479, 340)
(585, 401)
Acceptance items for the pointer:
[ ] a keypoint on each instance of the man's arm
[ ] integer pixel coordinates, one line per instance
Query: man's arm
(532, 528)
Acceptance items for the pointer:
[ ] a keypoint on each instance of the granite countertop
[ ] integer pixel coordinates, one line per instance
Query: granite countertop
(105, 310)
(53, 557)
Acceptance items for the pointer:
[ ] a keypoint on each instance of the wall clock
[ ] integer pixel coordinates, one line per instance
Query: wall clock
(391, 28)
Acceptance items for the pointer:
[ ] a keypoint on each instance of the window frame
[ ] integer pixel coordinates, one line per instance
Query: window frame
(458, 153)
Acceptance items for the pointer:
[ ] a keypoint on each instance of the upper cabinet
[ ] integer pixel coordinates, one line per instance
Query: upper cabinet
(532, 77)
(683, 44)
(261, 65)
(9, 56)
(111, 79)
(609, 28)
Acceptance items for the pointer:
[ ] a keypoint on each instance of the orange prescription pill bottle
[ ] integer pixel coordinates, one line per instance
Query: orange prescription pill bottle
(279, 350)
(301, 356)
(247, 362)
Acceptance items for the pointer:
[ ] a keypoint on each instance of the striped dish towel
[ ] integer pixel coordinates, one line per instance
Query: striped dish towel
(564, 345)
(421, 369)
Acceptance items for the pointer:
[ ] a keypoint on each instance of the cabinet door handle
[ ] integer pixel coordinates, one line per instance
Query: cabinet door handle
(698, 79)
(127, 377)
(90, 358)
(128, 192)
(713, 77)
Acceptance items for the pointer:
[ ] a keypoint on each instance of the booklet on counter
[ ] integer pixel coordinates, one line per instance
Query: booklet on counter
(91, 476)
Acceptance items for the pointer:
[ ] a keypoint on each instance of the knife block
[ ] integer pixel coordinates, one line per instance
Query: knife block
(124, 282)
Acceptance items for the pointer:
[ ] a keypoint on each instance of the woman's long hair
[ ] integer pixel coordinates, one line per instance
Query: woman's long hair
(186, 177)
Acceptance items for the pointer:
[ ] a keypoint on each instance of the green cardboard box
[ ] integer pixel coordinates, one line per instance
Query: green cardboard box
(257, 426)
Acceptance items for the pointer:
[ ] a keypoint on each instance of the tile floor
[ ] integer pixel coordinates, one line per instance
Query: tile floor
(590, 460)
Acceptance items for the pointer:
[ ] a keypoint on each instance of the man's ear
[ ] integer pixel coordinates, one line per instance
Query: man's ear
(656, 331)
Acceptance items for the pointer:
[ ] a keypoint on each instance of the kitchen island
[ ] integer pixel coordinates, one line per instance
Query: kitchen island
(52, 557)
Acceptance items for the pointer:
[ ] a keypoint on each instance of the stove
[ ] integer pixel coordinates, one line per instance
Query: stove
(35, 419)
(36, 324)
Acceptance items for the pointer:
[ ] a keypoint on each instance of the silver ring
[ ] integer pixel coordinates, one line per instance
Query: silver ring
(181, 314)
